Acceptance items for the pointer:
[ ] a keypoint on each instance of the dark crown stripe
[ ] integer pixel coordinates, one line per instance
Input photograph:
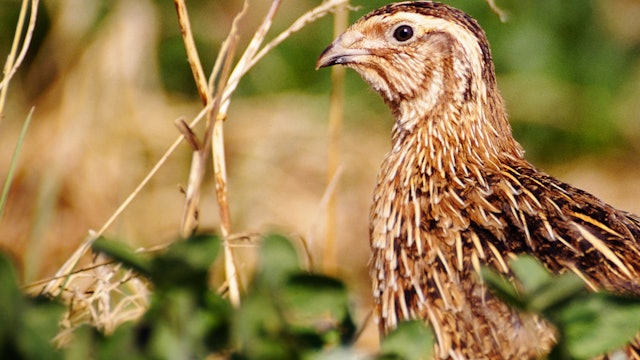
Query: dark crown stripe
(448, 13)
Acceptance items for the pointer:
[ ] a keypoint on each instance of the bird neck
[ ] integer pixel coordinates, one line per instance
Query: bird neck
(452, 132)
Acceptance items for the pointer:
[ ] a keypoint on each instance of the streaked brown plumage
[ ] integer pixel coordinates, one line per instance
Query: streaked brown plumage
(455, 192)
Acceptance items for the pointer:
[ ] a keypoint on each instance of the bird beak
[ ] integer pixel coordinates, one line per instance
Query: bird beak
(342, 51)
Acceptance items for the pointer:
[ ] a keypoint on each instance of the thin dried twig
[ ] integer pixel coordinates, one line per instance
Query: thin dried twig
(245, 62)
(196, 175)
(218, 155)
(192, 192)
(223, 49)
(188, 134)
(304, 20)
(336, 115)
(498, 10)
(192, 52)
(214, 142)
(363, 325)
(251, 56)
(322, 208)
(13, 63)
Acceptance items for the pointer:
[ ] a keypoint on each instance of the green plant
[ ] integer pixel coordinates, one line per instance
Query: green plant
(27, 324)
(588, 323)
(286, 312)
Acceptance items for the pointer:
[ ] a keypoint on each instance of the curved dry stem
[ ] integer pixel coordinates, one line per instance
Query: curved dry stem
(327, 196)
(498, 10)
(12, 64)
(336, 118)
(192, 52)
(304, 20)
(245, 62)
(225, 44)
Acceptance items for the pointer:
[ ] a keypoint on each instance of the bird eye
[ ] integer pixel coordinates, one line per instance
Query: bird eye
(403, 33)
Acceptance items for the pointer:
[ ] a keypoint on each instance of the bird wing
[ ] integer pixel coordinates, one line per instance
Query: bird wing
(563, 226)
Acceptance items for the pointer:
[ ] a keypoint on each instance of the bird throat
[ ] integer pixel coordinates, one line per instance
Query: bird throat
(447, 130)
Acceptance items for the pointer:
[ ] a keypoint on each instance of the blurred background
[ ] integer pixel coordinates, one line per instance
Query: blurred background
(107, 79)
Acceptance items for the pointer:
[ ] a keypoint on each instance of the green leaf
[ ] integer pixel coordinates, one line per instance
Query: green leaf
(278, 260)
(289, 313)
(341, 353)
(82, 344)
(318, 303)
(10, 299)
(186, 264)
(27, 325)
(122, 253)
(541, 290)
(557, 291)
(216, 318)
(503, 288)
(198, 252)
(176, 325)
(530, 273)
(89, 343)
(537, 290)
(313, 295)
(38, 325)
(14, 163)
(260, 330)
(411, 340)
(598, 323)
(119, 345)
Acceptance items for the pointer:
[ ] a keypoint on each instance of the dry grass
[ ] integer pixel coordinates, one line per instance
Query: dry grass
(99, 292)
(19, 46)
(103, 295)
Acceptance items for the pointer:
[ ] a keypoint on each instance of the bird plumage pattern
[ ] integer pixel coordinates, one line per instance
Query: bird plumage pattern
(455, 192)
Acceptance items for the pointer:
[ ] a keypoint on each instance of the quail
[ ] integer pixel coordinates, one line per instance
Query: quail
(455, 193)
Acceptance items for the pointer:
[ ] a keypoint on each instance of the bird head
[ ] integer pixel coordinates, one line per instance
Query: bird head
(418, 56)
(432, 65)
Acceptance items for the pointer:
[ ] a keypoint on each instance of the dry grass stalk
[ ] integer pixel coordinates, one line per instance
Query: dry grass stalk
(206, 90)
(213, 133)
(498, 10)
(96, 296)
(119, 296)
(192, 52)
(226, 87)
(336, 116)
(304, 20)
(323, 208)
(13, 63)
